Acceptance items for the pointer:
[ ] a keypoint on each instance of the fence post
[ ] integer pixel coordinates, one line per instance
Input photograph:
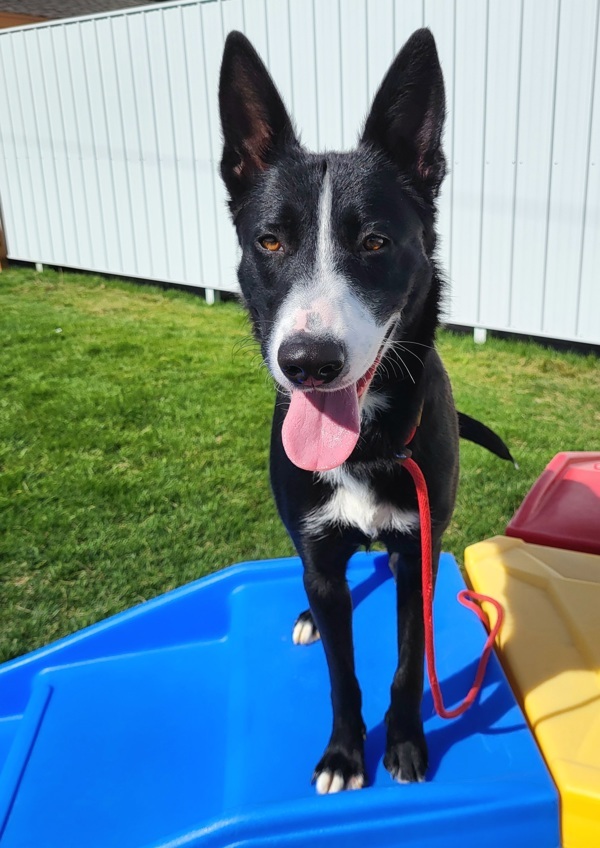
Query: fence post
(212, 296)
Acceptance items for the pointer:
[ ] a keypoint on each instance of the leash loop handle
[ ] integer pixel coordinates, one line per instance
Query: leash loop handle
(466, 597)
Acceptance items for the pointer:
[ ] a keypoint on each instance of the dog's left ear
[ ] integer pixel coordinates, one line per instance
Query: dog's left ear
(256, 126)
(407, 116)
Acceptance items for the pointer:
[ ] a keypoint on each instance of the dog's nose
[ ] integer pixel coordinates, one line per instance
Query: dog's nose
(304, 359)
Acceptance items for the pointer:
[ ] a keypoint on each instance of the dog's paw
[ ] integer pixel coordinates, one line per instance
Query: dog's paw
(406, 760)
(338, 770)
(305, 630)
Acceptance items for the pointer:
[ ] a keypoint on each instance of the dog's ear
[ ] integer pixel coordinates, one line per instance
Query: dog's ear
(256, 126)
(407, 116)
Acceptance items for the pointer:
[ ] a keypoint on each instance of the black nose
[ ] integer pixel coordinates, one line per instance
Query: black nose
(303, 359)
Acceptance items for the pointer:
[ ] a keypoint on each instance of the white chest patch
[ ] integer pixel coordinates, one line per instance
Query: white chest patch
(354, 504)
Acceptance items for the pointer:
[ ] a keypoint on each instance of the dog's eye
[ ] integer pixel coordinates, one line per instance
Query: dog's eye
(373, 242)
(271, 243)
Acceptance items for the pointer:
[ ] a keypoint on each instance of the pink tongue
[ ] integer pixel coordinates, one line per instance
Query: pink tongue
(321, 429)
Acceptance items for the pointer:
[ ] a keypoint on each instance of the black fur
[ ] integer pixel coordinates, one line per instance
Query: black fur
(473, 430)
(388, 184)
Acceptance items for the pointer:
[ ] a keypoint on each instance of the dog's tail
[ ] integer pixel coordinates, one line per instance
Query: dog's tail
(474, 431)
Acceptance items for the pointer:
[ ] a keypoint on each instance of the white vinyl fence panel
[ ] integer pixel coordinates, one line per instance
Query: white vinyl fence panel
(110, 140)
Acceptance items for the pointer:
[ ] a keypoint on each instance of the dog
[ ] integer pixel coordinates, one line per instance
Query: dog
(339, 277)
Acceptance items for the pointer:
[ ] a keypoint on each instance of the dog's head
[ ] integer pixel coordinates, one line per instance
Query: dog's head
(337, 248)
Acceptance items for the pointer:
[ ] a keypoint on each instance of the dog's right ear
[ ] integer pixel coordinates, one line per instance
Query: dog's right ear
(256, 126)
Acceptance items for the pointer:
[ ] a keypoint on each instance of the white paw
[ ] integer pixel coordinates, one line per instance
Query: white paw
(305, 632)
(329, 783)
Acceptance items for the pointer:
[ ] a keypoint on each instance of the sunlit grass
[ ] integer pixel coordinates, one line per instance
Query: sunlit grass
(134, 429)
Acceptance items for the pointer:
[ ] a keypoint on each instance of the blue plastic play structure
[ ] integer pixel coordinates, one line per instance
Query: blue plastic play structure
(192, 720)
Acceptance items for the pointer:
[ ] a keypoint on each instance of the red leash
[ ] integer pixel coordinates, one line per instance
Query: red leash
(466, 597)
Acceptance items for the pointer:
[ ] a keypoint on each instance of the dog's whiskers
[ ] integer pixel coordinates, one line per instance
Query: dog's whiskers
(419, 344)
(407, 368)
(406, 350)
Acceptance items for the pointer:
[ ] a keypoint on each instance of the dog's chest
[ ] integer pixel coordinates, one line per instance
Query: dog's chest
(355, 502)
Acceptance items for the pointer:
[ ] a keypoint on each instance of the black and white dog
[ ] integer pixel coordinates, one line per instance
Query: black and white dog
(339, 276)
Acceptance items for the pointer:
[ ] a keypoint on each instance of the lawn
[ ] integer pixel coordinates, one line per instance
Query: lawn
(134, 427)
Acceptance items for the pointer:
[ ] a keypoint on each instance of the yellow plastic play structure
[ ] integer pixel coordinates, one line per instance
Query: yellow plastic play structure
(549, 647)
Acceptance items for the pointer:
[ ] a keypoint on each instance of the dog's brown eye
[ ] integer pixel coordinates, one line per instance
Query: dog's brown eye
(373, 242)
(270, 243)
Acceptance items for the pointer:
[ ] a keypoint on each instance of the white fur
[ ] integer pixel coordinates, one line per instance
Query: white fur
(330, 784)
(371, 404)
(324, 782)
(329, 294)
(305, 633)
(353, 504)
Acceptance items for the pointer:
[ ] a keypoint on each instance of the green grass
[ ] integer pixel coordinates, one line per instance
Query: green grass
(134, 444)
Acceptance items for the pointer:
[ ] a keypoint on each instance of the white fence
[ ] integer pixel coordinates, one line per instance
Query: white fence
(110, 140)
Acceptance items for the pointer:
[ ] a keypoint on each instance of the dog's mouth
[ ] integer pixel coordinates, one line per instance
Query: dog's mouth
(321, 428)
(365, 381)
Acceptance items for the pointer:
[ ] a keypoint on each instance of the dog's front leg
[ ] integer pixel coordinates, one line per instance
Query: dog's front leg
(406, 755)
(342, 765)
